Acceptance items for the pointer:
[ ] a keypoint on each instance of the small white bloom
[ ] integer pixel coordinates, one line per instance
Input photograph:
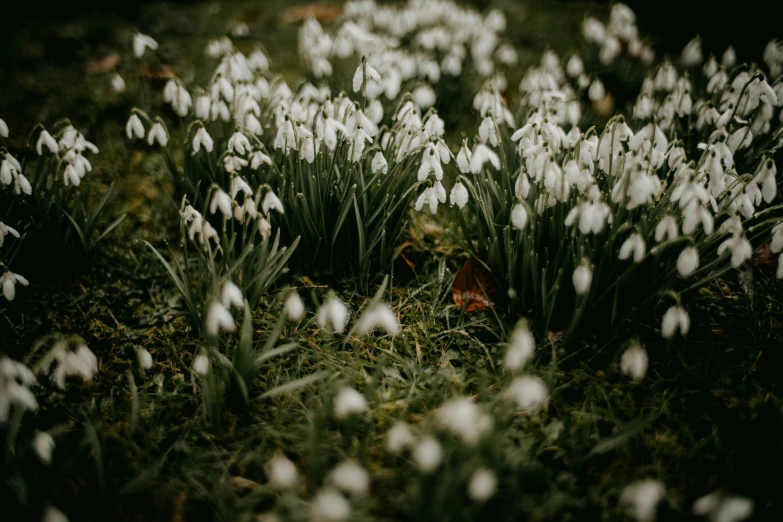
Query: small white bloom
(271, 202)
(333, 315)
(740, 248)
(641, 499)
(634, 244)
(201, 364)
(330, 506)
(9, 281)
(219, 318)
(633, 363)
(349, 401)
(52, 514)
(428, 454)
(3, 128)
(281, 472)
(232, 296)
(528, 392)
(202, 137)
(459, 195)
(117, 83)
(5, 230)
(519, 216)
(483, 484)
(134, 128)
(379, 163)
(398, 438)
(294, 306)
(351, 478)
(465, 419)
(144, 358)
(378, 316)
(520, 348)
(596, 92)
(142, 42)
(722, 508)
(158, 134)
(674, 318)
(43, 444)
(582, 278)
(46, 139)
(688, 261)
(221, 201)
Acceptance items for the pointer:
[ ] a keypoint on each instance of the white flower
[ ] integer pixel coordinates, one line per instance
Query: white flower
(641, 499)
(688, 261)
(15, 379)
(575, 67)
(349, 401)
(634, 244)
(201, 364)
(692, 54)
(271, 202)
(232, 296)
(481, 155)
(330, 506)
(142, 42)
(459, 195)
(633, 363)
(666, 229)
(117, 83)
(740, 247)
(144, 358)
(221, 201)
(582, 278)
(202, 137)
(464, 157)
(79, 361)
(294, 307)
(258, 158)
(134, 127)
(428, 454)
(519, 216)
(6, 230)
(219, 318)
(596, 92)
(333, 315)
(281, 472)
(158, 134)
(46, 139)
(351, 478)
(359, 76)
(722, 508)
(379, 163)
(238, 143)
(423, 96)
(52, 514)
(520, 348)
(378, 315)
(398, 438)
(465, 419)
(43, 444)
(674, 318)
(9, 281)
(3, 128)
(483, 484)
(528, 391)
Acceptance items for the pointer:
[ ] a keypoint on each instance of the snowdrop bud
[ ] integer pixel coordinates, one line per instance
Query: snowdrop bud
(423, 96)
(428, 454)
(641, 499)
(711, 67)
(459, 195)
(294, 307)
(378, 316)
(633, 363)
(43, 444)
(575, 67)
(582, 277)
(596, 92)
(463, 159)
(520, 347)
(201, 364)
(264, 227)
(691, 53)
(688, 261)
(379, 163)
(232, 296)
(142, 42)
(281, 472)
(519, 216)
(483, 484)
(351, 478)
(333, 315)
(3, 128)
(158, 134)
(528, 392)
(219, 318)
(330, 506)
(398, 438)
(117, 83)
(144, 358)
(46, 139)
(52, 514)
(674, 318)
(729, 58)
(271, 202)
(634, 244)
(349, 401)
(134, 128)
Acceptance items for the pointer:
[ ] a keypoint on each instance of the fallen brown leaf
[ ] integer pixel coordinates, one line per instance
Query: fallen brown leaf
(161, 72)
(473, 287)
(321, 12)
(605, 106)
(105, 64)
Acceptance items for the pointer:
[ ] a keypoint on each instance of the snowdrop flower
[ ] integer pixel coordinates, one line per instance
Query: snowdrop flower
(351, 478)
(221, 201)
(258, 158)
(596, 92)
(398, 438)
(15, 380)
(117, 83)
(232, 296)
(281, 472)
(528, 392)
(430, 164)
(43, 445)
(271, 202)
(691, 53)
(582, 277)
(721, 508)
(575, 67)
(729, 58)
(9, 281)
(379, 315)
(481, 155)
(634, 244)
(202, 138)
(379, 163)
(459, 195)
(46, 139)
(238, 143)
(519, 216)
(201, 364)
(666, 229)
(52, 514)
(464, 158)
(641, 499)
(674, 318)
(740, 248)
(363, 75)
(330, 506)
(688, 261)
(219, 318)
(465, 419)
(134, 127)
(775, 246)
(488, 132)
(333, 315)
(423, 96)
(520, 347)
(766, 178)
(5, 230)
(3, 128)
(428, 454)
(428, 197)
(144, 358)
(349, 401)
(158, 134)
(483, 484)
(293, 306)
(633, 362)
(142, 42)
